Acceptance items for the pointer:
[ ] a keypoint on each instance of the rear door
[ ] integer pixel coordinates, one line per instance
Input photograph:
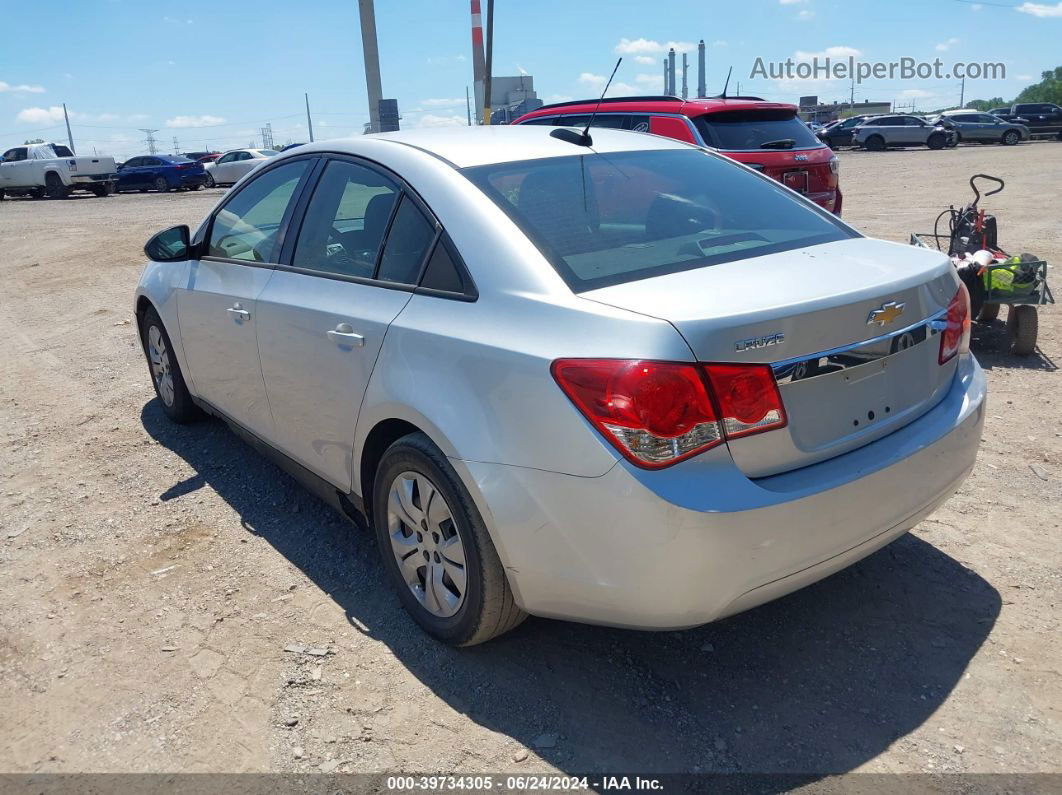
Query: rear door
(323, 316)
(14, 169)
(218, 308)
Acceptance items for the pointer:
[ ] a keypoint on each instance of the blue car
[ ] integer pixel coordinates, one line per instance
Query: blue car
(160, 172)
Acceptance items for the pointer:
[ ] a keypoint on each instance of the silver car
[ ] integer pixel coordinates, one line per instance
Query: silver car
(974, 127)
(631, 383)
(880, 132)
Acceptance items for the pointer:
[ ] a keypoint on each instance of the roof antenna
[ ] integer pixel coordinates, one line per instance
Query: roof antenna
(583, 138)
(727, 83)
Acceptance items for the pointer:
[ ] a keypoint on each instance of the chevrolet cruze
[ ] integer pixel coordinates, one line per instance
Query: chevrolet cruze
(611, 378)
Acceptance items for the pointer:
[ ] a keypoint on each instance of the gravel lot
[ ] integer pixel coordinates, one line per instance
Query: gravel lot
(176, 603)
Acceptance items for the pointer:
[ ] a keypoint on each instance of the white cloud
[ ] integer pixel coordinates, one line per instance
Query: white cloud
(1040, 10)
(805, 14)
(431, 120)
(647, 60)
(552, 98)
(617, 89)
(172, 21)
(944, 46)
(651, 47)
(915, 93)
(206, 120)
(443, 102)
(521, 70)
(40, 115)
(791, 2)
(54, 115)
(829, 52)
(437, 60)
(21, 88)
(976, 7)
(655, 82)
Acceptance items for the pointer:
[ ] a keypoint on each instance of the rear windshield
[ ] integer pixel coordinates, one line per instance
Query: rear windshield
(755, 129)
(61, 151)
(604, 219)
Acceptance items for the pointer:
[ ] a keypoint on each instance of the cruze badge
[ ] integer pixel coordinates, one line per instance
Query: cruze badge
(885, 314)
(759, 342)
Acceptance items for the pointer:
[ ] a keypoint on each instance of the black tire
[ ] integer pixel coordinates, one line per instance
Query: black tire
(161, 185)
(1022, 327)
(2, 194)
(936, 141)
(875, 143)
(210, 181)
(488, 608)
(1011, 137)
(988, 313)
(54, 187)
(197, 186)
(180, 408)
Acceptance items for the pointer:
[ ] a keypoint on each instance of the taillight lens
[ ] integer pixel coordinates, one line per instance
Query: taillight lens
(956, 336)
(659, 413)
(835, 164)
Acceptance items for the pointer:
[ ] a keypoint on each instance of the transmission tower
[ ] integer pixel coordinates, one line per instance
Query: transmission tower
(150, 140)
(267, 136)
(176, 146)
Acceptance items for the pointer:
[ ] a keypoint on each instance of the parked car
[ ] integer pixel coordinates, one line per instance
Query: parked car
(291, 146)
(1041, 118)
(973, 127)
(228, 168)
(839, 133)
(999, 111)
(632, 383)
(201, 157)
(880, 132)
(54, 171)
(161, 173)
(767, 136)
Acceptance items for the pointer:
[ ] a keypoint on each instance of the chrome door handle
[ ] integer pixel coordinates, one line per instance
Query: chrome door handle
(344, 335)
(238, 312)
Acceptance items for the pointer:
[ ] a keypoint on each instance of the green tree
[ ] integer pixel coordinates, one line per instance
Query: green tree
(986, 104)
(1049, 89)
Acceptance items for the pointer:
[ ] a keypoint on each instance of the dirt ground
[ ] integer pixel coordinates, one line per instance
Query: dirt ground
(173, 602)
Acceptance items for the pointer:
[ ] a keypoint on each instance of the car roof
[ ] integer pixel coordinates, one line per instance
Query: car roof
(463, 147)
(673, 105)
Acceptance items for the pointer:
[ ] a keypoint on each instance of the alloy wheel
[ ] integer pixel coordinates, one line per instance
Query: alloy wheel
(160, 364)
(426, 544)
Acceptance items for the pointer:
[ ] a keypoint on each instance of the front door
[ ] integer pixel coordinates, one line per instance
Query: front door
(322, 320)
(217, 309)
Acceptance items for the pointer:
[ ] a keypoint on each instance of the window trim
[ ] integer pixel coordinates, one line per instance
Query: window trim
(294, 230)
(285, 223)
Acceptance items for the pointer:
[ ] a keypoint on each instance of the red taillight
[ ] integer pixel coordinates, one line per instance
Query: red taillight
(659, 413)
(956, 336)
(748, 398)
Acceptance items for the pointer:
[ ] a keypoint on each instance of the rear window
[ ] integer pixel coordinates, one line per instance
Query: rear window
(61, 151)
(755, 129)
(610, 219)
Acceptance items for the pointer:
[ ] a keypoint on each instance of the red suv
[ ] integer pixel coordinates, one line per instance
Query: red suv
(768, 136)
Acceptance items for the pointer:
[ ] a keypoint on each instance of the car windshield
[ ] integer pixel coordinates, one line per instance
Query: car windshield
(604, 219)
(755, 129)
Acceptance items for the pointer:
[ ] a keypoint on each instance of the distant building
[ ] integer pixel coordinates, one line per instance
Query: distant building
(512, 97)
(812, 110)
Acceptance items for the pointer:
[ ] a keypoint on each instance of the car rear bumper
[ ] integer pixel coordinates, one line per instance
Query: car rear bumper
(93, 179)
(699, 541)
(192, 179)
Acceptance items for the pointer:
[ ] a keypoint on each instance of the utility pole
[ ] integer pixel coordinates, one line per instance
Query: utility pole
(702, 89)
(69, 135)
(962, 93)
(309, 124)
(487, 101)
(468, 107)
(478, 65)
(671, 72)
(851, 96)
(371, 53)
(666, 76)
(150, 140)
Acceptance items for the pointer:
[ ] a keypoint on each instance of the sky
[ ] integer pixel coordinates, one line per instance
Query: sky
(212, 73)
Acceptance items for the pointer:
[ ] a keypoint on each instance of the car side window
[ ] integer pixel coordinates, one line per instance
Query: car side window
(246, 227)
(152, 161)
(442, 272)
(911, 121)
(346, 221)
(16, 154)
(243, 156)
(133, 162)
(225, 158)
(544, 120)
(408, 241)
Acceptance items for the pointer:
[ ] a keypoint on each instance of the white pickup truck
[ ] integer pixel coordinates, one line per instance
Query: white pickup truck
(53, 170)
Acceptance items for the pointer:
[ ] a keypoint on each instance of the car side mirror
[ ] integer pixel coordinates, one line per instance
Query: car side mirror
(169, 245)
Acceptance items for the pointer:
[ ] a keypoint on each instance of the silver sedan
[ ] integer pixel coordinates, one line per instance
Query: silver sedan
(625, 381)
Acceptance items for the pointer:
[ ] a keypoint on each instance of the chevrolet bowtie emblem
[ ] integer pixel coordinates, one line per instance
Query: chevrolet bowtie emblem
(885, 314)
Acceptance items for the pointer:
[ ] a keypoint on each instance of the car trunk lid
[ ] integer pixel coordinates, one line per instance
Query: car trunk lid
(851, 329)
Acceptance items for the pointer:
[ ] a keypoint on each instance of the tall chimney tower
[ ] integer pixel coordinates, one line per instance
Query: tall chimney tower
(702, 89)
(666, 76)
(671, 72)
(685, 71)
(479, 67)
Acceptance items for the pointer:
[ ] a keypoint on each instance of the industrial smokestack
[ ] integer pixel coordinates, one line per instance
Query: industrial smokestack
(371, 53)
(671, 72)
(702, 89)
(685, 70)
(479, 68)
(666, 78)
